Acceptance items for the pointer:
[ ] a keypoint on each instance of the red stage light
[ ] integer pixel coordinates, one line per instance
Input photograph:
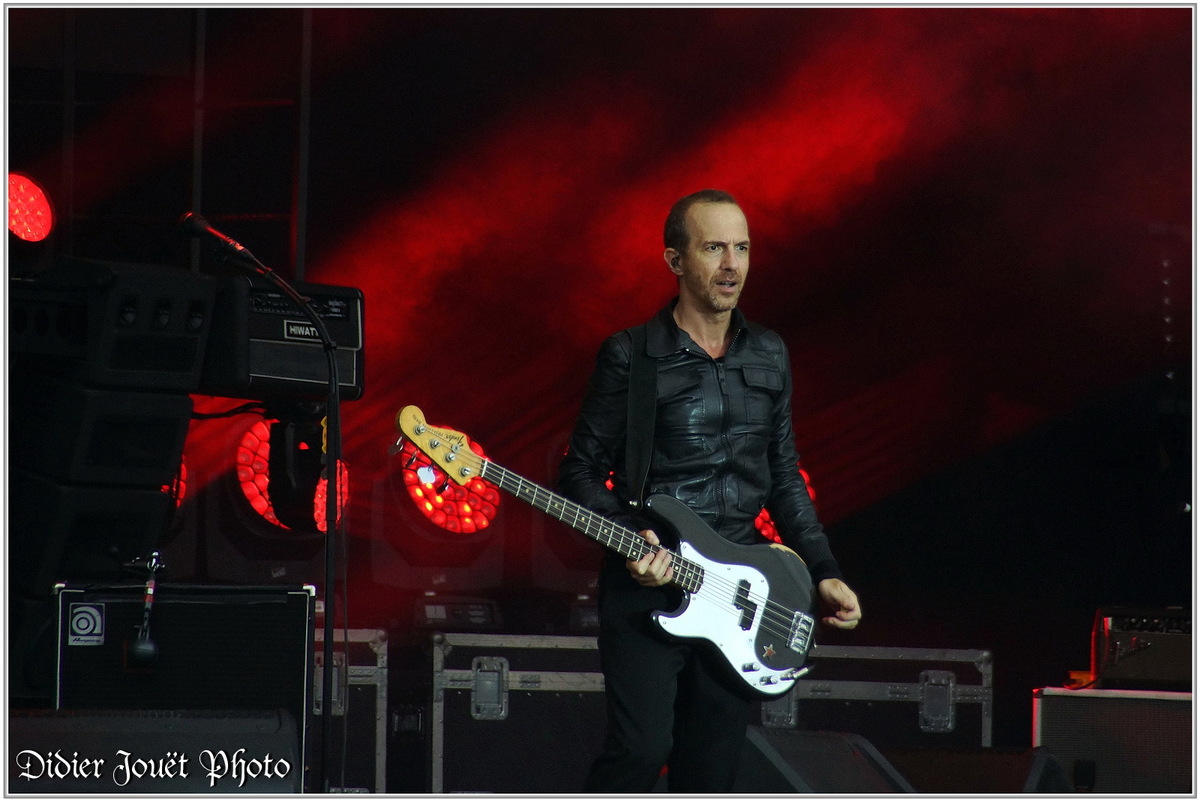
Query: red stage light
(178, 487)
(766, 526)
(253, 468)
(343, 496)
(29, 214)
(254, 477)
(463, 509)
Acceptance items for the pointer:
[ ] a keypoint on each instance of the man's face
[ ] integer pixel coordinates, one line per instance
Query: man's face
(713, 266)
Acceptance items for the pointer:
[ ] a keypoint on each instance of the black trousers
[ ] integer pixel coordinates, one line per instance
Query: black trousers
(669, 703)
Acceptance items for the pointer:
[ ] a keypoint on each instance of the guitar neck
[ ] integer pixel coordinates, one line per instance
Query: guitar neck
(620, 539)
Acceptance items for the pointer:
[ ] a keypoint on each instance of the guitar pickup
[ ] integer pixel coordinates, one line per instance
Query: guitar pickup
(801, 632)
(748, 608)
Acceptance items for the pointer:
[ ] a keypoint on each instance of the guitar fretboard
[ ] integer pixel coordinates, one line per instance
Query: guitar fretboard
(623, 540)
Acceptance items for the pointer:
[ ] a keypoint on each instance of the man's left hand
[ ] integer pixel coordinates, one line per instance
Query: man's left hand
(836, 596)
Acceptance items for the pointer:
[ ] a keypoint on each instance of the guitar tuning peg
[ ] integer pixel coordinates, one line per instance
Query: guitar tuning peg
(445, 485)
(396, 447)
(412, 458)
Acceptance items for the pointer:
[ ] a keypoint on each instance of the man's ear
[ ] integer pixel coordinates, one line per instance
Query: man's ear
(672, 257)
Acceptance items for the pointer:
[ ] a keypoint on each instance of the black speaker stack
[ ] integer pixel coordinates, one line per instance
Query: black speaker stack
(103, 358)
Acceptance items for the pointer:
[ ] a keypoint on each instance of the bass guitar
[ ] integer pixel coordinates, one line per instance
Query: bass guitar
(752, 602)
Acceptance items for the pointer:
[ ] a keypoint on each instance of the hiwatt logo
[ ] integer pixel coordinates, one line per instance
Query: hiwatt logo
(86, 625)
(300, 330)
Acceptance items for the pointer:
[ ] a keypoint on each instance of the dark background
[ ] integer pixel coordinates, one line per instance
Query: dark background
(973, 227)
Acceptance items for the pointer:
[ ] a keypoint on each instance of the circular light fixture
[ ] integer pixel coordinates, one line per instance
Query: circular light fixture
(30, 216)
(254, 476)
(463, 509)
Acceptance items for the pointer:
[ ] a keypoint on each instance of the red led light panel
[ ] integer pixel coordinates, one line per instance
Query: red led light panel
(456, 508)
(29, 214)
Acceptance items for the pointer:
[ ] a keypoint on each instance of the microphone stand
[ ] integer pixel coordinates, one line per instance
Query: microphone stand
(333, 455)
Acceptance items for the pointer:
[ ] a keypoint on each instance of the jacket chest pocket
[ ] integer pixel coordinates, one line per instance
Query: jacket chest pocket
(681, 404)
(763, 386)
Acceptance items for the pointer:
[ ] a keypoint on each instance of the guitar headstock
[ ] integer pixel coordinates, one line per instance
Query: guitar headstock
(449, 449)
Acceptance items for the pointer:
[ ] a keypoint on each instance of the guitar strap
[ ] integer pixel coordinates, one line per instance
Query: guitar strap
(643, 392)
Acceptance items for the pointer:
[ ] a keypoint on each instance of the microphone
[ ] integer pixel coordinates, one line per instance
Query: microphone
(143, 651)
(198, 227)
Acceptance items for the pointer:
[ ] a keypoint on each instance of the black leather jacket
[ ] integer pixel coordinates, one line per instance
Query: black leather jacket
(723, 440)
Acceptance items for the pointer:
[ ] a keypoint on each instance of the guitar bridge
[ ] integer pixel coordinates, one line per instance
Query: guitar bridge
(801, 632)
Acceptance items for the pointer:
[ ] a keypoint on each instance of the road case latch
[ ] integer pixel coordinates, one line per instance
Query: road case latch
(781, 711)
(339, 682)
(489, 691)
(935, 711)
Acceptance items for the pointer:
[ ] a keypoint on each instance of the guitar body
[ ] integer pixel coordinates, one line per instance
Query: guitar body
(754, 603)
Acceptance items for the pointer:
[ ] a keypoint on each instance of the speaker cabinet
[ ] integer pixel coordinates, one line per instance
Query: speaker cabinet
(778, 761)
(78, 533)
(215, 648)
(963, 770)
(161, 752)
(97, 436)
(113, 324)
(31, 647)
(1115, 741)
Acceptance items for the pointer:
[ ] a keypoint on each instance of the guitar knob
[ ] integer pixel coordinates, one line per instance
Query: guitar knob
(748, 667)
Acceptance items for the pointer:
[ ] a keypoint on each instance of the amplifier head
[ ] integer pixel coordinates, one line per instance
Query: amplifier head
(263, 346)
(1142, 648)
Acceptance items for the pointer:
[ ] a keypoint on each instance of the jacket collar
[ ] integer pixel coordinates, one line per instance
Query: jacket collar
(664, 337)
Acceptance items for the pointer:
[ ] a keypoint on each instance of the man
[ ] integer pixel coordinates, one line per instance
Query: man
(722, 444)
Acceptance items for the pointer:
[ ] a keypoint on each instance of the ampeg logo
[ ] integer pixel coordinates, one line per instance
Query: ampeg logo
(86, 625)
(299, 330)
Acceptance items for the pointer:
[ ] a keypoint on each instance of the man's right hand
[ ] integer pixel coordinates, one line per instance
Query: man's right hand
(654, 568)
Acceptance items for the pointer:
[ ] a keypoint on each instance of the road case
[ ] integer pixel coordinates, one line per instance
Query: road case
(472, 713)
(358, 755)
(893, 696)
